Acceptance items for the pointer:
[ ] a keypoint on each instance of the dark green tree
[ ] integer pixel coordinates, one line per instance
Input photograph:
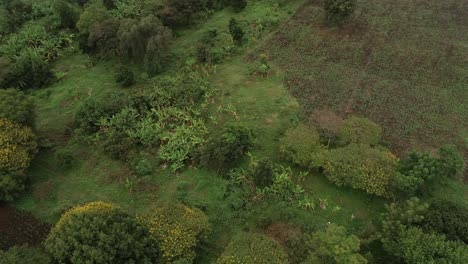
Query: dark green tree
(450, 162)
(263, 173)
(16, 106)
(238, 5)
(66, 12)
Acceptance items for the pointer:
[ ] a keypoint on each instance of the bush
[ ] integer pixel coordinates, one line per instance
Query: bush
(19, 12)
(228, 146)
(100, 233)
(253, 249)
(263, 172)
(447, 218)
(30, 70)
(450, 162)
(334, 246)
(93, 13)
(238, 5)
(16, 106)
(124, 76)
(64, 158)
(179, 229)
(144, 167)
(361, 131)
(236, 31)
(301, 145)
(414, 170)
(362, 167)
(338, 11)
(23, 255)
(17, 146)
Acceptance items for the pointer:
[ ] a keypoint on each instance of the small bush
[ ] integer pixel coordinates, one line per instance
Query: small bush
(144, 167)
(236, 32)
(301, 145)
(338, 11)
(124, 76)
(238, 5)
(179, 229)
(64, 158)
(450, 162)
(30, 70)
(253, 249)
(263, 173)
(361, 131)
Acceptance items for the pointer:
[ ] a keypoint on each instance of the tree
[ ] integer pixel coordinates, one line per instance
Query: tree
(179, 229)
(360, 130)
(338, 12)
(182, 11)
(262, 172)
(100, 233)
(103, 36)
(301, 145)
(447, 218)
(227, 146)
(238, 5)
(414, 170)
(247, 248)
(402, 238)
(94, 13)
(450, 162)
(30, 70)
(124, 76)
(17, 148)
(362, 167)
(23, 255)
(16, 106)
(145, 40)
(334, 246)
(66, 12)
(236, 32)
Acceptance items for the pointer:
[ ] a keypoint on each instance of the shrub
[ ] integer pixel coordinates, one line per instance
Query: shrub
(17, 146)
(100, 233)
(16, 106)
(334, 246)
(263, 172)
(96, 108)
(450, 162)
(23, 255)
(301, 145)
(144, 167)
(253, 249)
(362, 167)
(338, 11)
(30, 70)
(206, 50)
(447, 218)
(361, 131)
(236, 31)
(227, 146)
(414, 170)
(64, 158)
(19, 12)
(179, 230)
(124, 76)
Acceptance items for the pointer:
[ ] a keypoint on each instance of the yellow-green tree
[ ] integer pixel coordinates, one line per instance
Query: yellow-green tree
(17, 148)
(178, 229)
(98, 232)
(253, 249)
